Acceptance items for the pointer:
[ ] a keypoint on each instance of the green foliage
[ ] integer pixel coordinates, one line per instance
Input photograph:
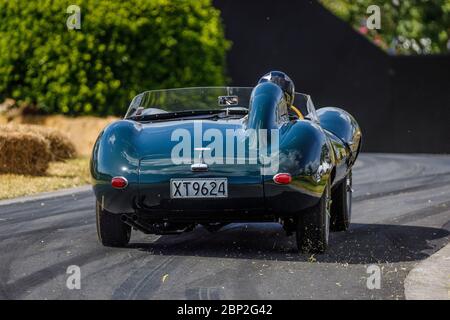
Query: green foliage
(124, 47)
(407, 26)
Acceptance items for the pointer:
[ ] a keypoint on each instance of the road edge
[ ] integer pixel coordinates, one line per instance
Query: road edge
(430, 279)
(46, 195)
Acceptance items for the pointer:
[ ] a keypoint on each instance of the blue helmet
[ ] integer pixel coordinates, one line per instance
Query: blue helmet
(283, 81)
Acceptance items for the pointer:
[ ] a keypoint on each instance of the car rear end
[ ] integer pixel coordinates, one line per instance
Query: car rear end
(198, 190)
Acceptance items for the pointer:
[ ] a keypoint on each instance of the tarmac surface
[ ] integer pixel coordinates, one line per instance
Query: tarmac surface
(401, 215)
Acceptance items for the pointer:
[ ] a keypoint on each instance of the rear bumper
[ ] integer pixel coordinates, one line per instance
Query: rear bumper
(241, 197)
(244, 203)
(204, 216)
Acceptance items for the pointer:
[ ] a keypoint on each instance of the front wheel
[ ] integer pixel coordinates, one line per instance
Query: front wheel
(313, 226)
(111, 231)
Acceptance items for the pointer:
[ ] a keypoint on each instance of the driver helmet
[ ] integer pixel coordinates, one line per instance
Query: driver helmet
(283, 81)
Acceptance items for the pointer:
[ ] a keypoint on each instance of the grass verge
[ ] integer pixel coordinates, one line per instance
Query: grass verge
(60, 175)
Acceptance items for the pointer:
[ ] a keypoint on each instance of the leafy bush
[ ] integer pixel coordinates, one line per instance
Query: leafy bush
(122, 48)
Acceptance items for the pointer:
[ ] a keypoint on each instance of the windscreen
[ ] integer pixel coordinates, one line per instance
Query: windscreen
(204, 98)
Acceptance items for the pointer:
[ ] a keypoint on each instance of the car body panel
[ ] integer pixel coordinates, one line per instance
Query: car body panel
(311, 151)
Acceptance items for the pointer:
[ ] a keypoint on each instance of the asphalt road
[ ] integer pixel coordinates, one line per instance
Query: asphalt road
(401, 215)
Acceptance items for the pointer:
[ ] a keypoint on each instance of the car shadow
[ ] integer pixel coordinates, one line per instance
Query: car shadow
(362, 244)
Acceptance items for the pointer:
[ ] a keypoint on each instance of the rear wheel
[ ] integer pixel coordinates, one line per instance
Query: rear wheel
(313, 227)
(341, 206)
(111, 231)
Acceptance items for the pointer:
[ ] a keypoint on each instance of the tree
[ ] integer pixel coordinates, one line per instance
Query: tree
(407, 26)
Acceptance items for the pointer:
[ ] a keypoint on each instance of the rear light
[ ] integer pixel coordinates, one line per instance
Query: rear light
(282, 178)
(119, 182)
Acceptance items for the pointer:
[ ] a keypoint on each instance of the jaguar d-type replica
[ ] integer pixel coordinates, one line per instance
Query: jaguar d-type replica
(211, 156)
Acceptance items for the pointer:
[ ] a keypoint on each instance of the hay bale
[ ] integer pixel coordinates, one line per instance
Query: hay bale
(23, 153)
(60, 145)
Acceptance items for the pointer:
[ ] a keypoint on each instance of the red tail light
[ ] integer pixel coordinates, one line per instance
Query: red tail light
(119, 182)
(282, 178)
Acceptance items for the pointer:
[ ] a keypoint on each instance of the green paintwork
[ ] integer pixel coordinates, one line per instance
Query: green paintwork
(141, 152)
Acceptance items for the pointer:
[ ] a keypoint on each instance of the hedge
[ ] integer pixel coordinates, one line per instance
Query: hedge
(122, 49)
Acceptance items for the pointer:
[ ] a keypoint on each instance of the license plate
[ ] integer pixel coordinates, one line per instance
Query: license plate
(199, 188)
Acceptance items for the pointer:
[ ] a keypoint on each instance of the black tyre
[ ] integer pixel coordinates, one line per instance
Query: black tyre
(341, 205)
(111, 231)
(313, 226)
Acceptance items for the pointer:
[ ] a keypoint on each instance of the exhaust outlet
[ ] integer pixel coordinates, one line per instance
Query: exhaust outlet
(134, 223)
